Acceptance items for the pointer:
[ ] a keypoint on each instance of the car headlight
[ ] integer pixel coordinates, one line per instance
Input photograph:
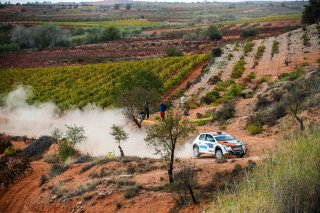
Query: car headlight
(228, 148)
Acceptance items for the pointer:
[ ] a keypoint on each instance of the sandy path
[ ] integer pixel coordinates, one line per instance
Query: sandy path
(21, 195)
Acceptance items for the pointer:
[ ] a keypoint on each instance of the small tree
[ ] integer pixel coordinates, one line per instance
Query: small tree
(119, 135)
(165, 135)
(133, 90)
(75, 134)
(294, 102)
(311, 13)
(68, 140)
(213, 33)
(111, 33)
(185, 181)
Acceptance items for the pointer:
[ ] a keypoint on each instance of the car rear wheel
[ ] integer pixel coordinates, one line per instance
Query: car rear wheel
(196, 152)
(219, 154)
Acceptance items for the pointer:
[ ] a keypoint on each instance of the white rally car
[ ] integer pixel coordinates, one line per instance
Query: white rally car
(219, 144)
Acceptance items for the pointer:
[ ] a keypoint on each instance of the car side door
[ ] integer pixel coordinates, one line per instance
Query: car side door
(201, 142)
(210, 139)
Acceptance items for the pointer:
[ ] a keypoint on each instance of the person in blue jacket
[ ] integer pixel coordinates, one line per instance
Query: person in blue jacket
(163, 108)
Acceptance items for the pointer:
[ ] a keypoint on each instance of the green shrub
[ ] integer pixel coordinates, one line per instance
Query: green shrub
(173, 51)
(51, 158)
(59, 189)
(118, 205)
(57, 169)
(251, 75)
(39, 146)
(213, 33)
(223, 85)
(238, 69)
(216, 52)
(4, 144)
(46, 36)
(43, 180)
(305, 40)
(262, 102)
(248, 47)
(110, 34)
(86, 187)
(286, 181)
(249, 32)
(230, 56)
(292, 75)
(224, 113)
(65, 150)
(201, 122)
(122, 182)
(275, 48)
(211, 97)
(131, 170)
(253, 129)
(10, 151)
(265, 78)
(260, 52)
(233, 92)
(131, 192)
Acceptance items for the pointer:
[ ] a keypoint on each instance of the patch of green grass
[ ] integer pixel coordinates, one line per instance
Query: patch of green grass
(286, 181)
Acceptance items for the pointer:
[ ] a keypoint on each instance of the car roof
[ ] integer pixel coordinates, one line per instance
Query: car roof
(215, 133)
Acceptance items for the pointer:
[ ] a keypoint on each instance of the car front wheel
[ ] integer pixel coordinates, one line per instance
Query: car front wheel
(219, 154)
(196, 151)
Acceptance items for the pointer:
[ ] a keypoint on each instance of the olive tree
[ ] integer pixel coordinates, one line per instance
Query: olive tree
(119, 135)
(135, 88)
(165, 135)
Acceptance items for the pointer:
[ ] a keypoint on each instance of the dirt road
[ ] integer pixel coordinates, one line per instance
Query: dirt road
(21, 195)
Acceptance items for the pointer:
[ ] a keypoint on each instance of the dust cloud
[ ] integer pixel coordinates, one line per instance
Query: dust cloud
(17, 117)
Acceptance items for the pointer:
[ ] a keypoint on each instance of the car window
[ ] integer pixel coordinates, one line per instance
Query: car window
(224, 138)
(209, 138)
(202, 137)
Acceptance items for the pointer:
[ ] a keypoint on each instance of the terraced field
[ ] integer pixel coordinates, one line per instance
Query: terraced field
(77, 86)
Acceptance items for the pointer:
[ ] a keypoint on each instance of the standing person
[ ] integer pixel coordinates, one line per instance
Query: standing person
(163, 108)
(146, 109)
(182, 101)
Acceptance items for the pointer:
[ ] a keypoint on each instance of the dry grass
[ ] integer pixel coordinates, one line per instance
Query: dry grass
(287, 181)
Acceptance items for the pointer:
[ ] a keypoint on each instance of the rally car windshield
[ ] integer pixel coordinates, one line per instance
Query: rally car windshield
(224, 138)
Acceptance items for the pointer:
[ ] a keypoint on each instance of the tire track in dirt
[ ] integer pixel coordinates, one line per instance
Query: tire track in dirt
(21, 194)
